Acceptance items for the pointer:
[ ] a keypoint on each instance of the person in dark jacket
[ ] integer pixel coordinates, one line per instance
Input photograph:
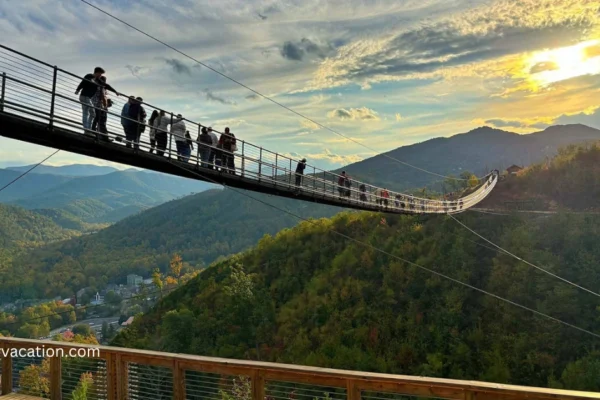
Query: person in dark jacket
(228, 145)
(342, 183)
(205, 143)
(88, 88)
(133, 130)
(300, 171)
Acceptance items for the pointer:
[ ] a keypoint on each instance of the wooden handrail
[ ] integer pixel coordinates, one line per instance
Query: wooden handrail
(261, 373)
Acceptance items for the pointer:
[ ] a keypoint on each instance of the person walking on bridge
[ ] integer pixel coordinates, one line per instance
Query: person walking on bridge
(161, 124)
(88, 87)
(204, 143)
(342, 183)
(178, 133)
(214, 153)
(300, 172)
(134, 129)
(228, 145)
(125, 116)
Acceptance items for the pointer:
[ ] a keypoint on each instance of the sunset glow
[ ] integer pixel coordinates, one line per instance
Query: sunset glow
(551, 66)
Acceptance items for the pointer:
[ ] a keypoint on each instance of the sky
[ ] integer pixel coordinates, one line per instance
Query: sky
(384, 73)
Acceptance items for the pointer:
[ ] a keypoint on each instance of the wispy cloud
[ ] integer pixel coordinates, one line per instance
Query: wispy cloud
(359, 114)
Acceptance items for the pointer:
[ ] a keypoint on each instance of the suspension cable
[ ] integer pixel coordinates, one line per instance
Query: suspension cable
(523, 260)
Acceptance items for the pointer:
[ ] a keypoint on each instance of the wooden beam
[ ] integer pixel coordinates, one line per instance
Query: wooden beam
(122, 378)
(353, 392)
(258, 385)
(7, 364)
(178, 381)
(55, 378)
(111, 377)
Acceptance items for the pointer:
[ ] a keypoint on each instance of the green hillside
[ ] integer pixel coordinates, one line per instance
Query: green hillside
(201, 228)
(22, 230)
(113, 196)
(30, 185)
(310, 296)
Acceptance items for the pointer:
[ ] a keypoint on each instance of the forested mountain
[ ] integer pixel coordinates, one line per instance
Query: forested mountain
(29, 185)
(201, 228)
(479, 151)
(67, 170)
(22, 230)
(311, 296)
(103, 198)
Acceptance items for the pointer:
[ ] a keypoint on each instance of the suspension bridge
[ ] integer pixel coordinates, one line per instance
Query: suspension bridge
(38, 105)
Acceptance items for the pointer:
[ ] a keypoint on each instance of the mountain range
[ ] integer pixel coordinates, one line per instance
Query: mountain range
(215, 223)
(477, 151)
(96, 194)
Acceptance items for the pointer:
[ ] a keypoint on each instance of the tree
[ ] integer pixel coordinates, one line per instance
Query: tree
(104, 330)
(157, 280)
(34, 379)
(82, 329)
(113, 298)
(85, 383)
(176, 266)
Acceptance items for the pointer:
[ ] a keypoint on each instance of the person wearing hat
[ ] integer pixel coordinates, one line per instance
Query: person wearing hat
(300, 171)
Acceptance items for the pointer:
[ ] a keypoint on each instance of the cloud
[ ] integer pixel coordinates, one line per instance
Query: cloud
(333, 158)
(210, 96)
(309, 125)
(305, 48)
(427, 51)
(178, 66)
(543, 66)
(253, 97)
(360, 114)
(135, 70)
(592, 51)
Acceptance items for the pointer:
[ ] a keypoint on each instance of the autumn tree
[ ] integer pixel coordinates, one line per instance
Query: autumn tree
(34, 379)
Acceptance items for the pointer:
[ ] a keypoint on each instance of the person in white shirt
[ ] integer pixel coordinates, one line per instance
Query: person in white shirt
(213, 150)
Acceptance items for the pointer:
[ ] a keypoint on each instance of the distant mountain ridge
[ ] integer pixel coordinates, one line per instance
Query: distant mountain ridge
(100, 198)
(478, 151)
(73, 170)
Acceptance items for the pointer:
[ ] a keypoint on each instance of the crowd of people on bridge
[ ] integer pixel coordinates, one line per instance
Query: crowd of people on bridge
(213, 152)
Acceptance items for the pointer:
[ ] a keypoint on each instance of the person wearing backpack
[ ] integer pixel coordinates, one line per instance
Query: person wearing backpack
(205, 143)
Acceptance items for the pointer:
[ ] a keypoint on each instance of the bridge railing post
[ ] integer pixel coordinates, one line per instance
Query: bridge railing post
(275, 169)
(3, 90)
(259, 164)
(290, 172)
(198, 146)
(243, 158)
(171, 136)
(54, 75)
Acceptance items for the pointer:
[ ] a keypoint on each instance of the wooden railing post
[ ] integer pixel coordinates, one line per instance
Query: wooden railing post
(7, 364)
(352, 390)
(178, 382)
(258, 385)
(2, 92)
(122, 378)
(55, 378)
(111, 377)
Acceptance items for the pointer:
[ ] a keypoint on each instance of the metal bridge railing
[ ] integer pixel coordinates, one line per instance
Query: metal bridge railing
(39, 91)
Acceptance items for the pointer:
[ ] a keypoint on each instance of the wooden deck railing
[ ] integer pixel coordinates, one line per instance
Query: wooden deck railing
(118, 373)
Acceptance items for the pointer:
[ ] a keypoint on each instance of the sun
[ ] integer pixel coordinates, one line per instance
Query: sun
(550, 66)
